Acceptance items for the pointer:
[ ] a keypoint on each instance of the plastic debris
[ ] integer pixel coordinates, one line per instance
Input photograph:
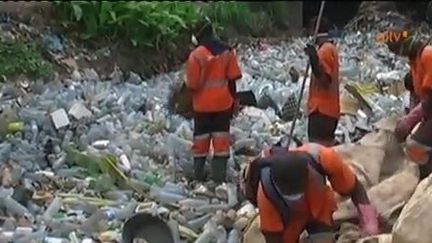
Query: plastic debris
(80, 175)
(60, 118)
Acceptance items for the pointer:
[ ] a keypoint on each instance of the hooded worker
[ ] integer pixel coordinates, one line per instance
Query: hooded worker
(289, 188)
(323, 101)
(419, 143)
(212, 70)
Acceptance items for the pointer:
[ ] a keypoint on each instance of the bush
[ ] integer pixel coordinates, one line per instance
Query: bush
(152, 24)
(239, 16)
(161, 24)
(17, 57)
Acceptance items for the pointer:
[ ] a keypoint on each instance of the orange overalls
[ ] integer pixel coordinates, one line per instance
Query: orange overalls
(319, 202)
(323, 103)
(419, 143)
(208, 76)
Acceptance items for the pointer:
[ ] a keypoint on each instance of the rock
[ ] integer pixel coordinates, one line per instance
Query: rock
(364, 160)
(413, 224)
(253, 232)
(383, 238)
(388, 196)
(134, 78)
(348, 233)
(91, 75)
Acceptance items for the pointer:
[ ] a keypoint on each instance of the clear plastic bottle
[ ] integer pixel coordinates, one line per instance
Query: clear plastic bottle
(163, 196)
(198, 223)
(67, 139)
(35, 131)
(234, 236)
(52, 209)
(37, 236)
(15, 208)
(98, 221)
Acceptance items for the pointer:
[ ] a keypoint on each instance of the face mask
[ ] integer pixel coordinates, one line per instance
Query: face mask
(294, 197)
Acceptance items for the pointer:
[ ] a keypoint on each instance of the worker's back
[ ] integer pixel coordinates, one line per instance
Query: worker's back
(208, 75)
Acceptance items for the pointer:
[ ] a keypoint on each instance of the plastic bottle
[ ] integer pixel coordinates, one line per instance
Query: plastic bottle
(98, 221)
(234, 236)
(15, 208)
(198, 223)
(59, 162)
(163, 196)
(35, 131)
(37, 236)
(174, 188)
(52, 209)
(67, 139)
(123, 213)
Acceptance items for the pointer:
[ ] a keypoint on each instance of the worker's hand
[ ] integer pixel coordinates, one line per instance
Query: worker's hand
(311, 51)
(368, 219)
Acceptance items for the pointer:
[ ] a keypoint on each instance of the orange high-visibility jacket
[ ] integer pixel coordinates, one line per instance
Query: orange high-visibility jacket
(421, 71)
(326, 101)
(319, 203)
(208, 76)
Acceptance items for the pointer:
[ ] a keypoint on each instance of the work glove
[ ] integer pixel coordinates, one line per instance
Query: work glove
(368, 219)
(408, 122)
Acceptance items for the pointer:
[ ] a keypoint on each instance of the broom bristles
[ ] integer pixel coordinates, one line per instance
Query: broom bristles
(180, 101)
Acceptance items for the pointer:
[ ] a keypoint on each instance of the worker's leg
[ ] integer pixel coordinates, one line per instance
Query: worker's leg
(320, 233)
(221, 145)
(321, 129)
(201, 144)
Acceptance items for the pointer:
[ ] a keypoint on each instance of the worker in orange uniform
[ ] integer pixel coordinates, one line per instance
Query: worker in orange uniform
(212, 72)
(323, 102)
(289, 188)
(419, 143)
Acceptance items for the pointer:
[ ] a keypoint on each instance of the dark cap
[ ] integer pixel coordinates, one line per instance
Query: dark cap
(290, 171)
(203, 28)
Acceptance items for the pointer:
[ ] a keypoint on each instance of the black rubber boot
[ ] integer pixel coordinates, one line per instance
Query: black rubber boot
(219, 168)
(199, 165)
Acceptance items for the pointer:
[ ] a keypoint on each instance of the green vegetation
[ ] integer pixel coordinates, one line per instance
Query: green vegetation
(153, 24)
(159, 24)
(18, 57)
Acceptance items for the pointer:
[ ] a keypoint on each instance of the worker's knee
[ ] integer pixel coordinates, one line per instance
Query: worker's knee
(201, 145)
(221, 143)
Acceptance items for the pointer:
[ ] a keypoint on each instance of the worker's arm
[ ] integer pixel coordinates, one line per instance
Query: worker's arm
(342, 178)
(233, 72)
(193, 72)
(359, 194)
(321, 63)
(426, 61)
(344, 181)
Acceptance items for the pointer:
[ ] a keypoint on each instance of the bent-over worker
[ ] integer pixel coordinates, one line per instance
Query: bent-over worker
(323, 102)
(419, 143)
(212, 70)
(289, 188)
